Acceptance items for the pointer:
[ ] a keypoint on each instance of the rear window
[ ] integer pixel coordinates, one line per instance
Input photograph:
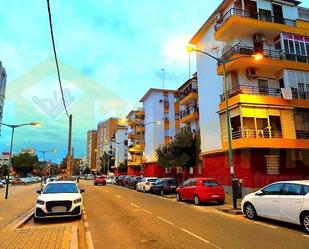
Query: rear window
(152, 180)
(210, 183)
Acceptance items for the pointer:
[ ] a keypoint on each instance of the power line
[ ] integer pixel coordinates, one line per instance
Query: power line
(56, 59)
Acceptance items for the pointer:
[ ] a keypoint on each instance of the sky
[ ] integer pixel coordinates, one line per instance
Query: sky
(111, 52)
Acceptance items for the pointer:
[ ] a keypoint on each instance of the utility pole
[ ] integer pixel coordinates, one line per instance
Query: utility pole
(68, 169)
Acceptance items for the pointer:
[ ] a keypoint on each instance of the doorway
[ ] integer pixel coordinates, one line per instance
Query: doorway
(278, 13)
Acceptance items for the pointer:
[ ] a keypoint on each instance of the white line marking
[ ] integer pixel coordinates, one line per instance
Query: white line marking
(118, 196)
(200, 238)
(265, 225)
(89, 241)
(86, 224)
(168, 222)
(147, 211)
(134, 205)
(307, 236)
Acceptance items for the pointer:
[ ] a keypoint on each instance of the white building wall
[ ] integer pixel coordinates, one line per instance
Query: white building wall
(171, 117)
(121, 152)
(2, 90)
(210, 86)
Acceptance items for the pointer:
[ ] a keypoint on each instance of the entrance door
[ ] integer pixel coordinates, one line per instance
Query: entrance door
(251, 9)
(278, 13)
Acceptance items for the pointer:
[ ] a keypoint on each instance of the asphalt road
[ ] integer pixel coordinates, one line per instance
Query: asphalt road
(123, 218)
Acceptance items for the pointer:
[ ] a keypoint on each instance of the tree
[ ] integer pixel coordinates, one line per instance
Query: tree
(105, 162)
(123, 167)
(183, 151)
(24, 163)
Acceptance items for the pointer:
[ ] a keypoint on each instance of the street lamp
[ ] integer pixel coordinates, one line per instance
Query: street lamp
(43, 154)
(144, 125)
(13, 127)
(223, 61)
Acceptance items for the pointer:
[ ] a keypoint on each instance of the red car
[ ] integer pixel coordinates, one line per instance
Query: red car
(201, 190)
(100, 180)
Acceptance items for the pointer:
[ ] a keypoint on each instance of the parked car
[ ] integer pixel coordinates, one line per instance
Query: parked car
(200, 190)
(17, 181)
(89, 177)
(145, 184)
(119, 179)
(133, 181)
(286, 201)
(59, 199)
(164, 186)
(1, 184)
(110, 179)
(100, 180)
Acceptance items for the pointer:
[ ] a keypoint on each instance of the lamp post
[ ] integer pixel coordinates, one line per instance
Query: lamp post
(13, 127)
(43, 155)
(142, 155)
(223, 61)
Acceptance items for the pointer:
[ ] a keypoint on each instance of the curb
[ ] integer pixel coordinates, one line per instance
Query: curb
(88, 237)
(231, 211)
(20, 221)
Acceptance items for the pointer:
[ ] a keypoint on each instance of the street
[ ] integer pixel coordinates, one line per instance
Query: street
(123, 218)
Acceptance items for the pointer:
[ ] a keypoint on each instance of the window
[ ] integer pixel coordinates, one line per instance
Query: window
(291, 189)
(55, 188)
(305, 190)
(210, 183)
(186, 183)
(273, 189)
(193, 182)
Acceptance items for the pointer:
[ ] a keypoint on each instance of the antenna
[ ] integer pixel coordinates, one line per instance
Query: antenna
(163, 77)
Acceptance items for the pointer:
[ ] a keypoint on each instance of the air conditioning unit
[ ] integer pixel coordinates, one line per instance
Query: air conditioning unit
(258, 37)
(251, 73)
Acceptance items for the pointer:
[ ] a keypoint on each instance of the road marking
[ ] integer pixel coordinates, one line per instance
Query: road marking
(198, 237)
(307, 236)
(118, 196)
(265, 225)
(89, 241)
(134, 205)
(86, 224)
(147, 211)
(168, 222)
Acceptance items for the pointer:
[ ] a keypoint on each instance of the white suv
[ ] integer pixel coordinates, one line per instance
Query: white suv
(59, 199)
(285, 201)
(145, 184)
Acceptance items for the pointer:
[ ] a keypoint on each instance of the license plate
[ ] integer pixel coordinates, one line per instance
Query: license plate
(215, 196)
(59, 209)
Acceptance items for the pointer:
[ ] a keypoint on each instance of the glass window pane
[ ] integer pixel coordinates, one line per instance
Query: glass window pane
(306, 190)
(273, 189)
(210, 183)
(291, 189)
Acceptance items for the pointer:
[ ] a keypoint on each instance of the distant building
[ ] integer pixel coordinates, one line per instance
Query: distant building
(121, 145)
(30, 151)
(161, 122)
(105, 133)
(91, 149)
(2, 90)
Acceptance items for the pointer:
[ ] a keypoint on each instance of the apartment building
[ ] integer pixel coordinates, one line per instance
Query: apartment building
(161, 108)
(188, 104)
(121, 146)
(135, 141)
(92, 150)
(105, 133)
(268, 100)
(2, 90)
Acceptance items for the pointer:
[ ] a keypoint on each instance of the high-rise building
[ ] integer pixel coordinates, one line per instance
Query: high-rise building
(268, 100)
(91, 150)
(121, 146)
(161, 108)
(2, 90)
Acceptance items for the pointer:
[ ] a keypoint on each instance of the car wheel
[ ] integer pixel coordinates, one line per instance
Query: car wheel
(305, 221)
(178, 197)
(249, 211)
(196, 200)
(161, 192)
(36, 220)
(221, 202)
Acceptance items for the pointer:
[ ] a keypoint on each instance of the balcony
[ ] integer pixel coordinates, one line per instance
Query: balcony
(263, 91)
(189, 114)
(302, 134)
(185, 97)
(273, 59)
(135, 163)
(242, 23)
(136, 149)
(252, 133)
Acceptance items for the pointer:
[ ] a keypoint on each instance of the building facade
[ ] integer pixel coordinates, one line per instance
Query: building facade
(121, 147)
(135, 141)
(161, 108)
(268, 100)
(2, 90)
(92, 150)
(105, 133)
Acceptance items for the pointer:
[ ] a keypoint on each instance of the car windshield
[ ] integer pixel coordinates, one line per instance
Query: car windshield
(210, 183)
(152, 180)
(56, 188)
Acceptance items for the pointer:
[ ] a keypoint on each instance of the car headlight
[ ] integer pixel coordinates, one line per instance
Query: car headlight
(79, 200)
(40, 202)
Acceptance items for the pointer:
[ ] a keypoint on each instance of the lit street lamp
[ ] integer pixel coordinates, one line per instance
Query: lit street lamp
(13, 127)
(223, 61)
(43, 154)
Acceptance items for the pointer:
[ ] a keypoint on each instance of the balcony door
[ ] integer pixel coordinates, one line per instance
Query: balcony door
(263, 87)
(275, 124)
(278, 13)
(251, 9)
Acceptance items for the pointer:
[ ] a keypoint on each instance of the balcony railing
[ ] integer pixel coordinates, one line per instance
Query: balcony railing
(258, 16)
(274, 54)
(187, 112)
(263, 91)
(302, 134)
(182, 95)
(259, 133)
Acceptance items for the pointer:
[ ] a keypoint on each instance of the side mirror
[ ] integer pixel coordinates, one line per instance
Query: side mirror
(39, 191)
(82, 190)
(259, 193)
